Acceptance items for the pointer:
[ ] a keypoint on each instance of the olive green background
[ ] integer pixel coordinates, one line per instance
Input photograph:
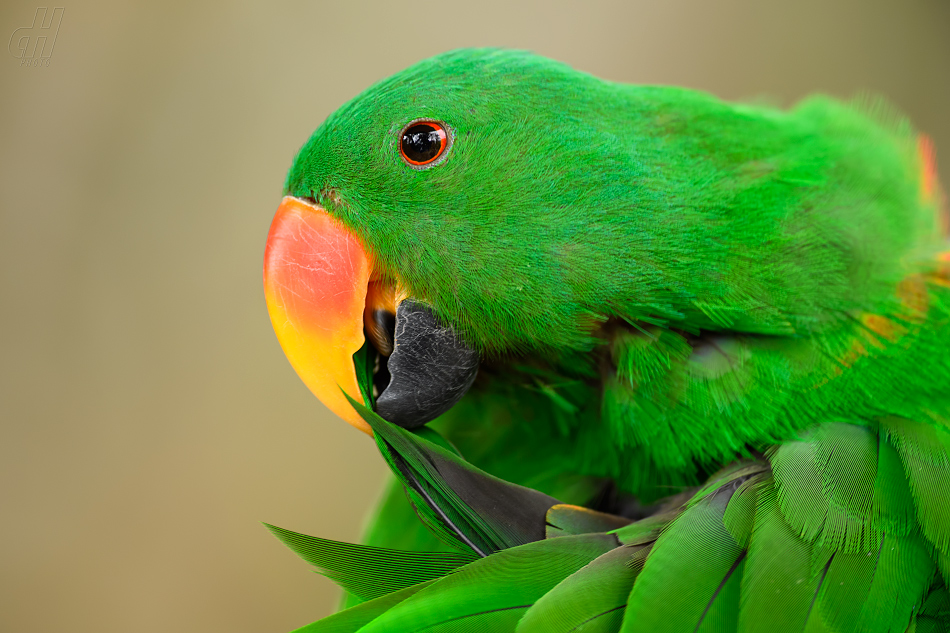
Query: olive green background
(148, 419)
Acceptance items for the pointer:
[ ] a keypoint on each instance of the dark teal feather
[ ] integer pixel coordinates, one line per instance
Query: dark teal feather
(473, 508)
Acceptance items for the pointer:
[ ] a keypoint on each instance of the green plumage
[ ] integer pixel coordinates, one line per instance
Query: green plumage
(728, 559)
(737, 316)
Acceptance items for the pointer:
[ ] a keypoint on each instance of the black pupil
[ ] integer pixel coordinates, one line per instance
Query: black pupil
(421, 142)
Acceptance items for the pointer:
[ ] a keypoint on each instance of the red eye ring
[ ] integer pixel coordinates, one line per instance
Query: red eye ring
(423, 142)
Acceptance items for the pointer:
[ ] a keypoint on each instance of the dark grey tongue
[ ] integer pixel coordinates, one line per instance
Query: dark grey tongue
(431, 368)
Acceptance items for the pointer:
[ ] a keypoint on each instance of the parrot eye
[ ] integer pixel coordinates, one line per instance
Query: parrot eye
(423, 142)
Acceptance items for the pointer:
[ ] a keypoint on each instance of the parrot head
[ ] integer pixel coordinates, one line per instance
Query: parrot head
(486, 203)
(416, 198)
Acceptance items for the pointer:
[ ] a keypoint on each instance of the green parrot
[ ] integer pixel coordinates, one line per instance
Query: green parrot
(686, 362)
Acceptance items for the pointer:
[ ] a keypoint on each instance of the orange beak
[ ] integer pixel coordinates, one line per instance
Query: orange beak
(316, 275)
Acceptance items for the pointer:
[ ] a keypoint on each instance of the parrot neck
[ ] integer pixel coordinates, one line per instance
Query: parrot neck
(672, 408)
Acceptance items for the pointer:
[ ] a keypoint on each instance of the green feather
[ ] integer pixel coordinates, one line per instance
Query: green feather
(696, 546)
(893, 506)
(364, 361)
(722, 611)
(645, 530)
(743, 470)
(935, 613)
(778, 587)
(369, 572)
(832, 491)
(592, 599)
(493, 593)
(943, 564)
(925, 452)
(355, 618)
(901, 571)
(740, 513)
(564, 519)
(396, 525)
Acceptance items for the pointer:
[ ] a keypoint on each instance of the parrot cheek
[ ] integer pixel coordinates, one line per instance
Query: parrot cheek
(322, 298)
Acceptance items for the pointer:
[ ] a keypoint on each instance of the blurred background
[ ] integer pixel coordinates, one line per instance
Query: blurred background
(148, 418)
